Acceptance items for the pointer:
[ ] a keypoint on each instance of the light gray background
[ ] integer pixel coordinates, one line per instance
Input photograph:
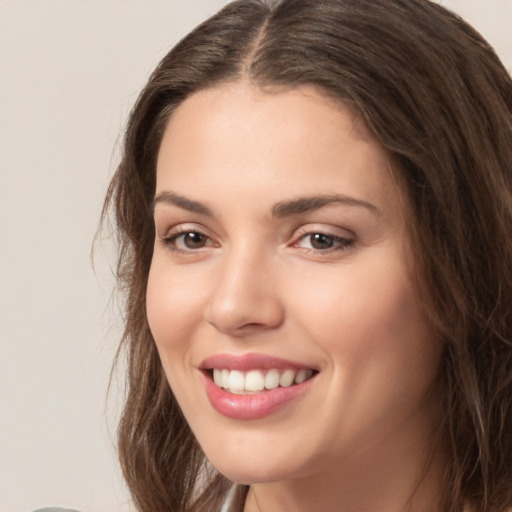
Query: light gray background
(69, 73)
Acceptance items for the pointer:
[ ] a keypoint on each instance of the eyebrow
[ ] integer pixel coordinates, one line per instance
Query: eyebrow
(281, 209)
(181, 202)
(307, 204)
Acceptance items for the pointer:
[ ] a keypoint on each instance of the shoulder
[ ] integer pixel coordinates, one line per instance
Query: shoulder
(55, 509)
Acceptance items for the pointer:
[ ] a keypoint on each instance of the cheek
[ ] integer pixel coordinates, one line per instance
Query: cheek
(172, 314)
(367, 318)
(383, 356)
(359, 298)
(173, 309)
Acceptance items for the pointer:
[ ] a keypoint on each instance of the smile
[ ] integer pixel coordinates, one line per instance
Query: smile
(253, 386)
(256, 381)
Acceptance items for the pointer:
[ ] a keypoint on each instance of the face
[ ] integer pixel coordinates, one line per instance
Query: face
(280, 294)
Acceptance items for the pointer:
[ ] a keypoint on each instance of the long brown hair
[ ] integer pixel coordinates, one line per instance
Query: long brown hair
(437, 97)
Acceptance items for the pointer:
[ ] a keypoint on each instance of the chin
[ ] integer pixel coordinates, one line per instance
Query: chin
(250, 466)
(245, 474)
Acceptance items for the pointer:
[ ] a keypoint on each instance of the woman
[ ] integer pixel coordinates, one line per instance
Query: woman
(314, 209)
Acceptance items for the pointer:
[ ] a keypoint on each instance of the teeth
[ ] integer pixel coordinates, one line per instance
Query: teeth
(255, 381)
(272, 379)
(225, 379)
(287, 378)
(217, 377)
(302, 375)
(236, 381)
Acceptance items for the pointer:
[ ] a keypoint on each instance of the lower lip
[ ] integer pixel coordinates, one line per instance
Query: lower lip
(251, 407)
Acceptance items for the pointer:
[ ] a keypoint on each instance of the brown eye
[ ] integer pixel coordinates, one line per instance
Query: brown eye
(193, 240)
(320, 241)
(187, 241)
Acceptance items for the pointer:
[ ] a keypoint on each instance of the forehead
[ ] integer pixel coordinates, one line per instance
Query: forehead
(236, 138)
(300, 108)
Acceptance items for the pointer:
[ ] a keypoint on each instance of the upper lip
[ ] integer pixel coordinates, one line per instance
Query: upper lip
(251, 361)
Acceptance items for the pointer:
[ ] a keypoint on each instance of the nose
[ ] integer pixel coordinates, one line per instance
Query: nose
(245, 299)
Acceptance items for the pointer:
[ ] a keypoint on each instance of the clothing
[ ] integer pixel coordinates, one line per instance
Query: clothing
(229, 499)
(55, 509)
(225, 506)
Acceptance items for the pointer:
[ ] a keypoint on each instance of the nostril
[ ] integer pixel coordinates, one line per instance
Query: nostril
(240, 305)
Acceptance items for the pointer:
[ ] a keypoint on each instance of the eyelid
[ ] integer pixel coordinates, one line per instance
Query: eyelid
(343, 238)
(343, 241)
(183, 227)
(173, 233)
(325, 229)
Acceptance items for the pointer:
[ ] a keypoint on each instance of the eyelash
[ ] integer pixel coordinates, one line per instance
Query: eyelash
(342, 243)
(339, 243)
(170, 241)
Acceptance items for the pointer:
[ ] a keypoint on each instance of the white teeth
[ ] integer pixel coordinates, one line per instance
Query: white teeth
(255, 381)
(303, 375)
(287, 378)
(217, 377)
(236, 381)
(224, 379)
(272, 379)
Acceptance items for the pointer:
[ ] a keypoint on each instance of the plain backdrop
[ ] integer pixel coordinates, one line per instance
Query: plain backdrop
(69, 73)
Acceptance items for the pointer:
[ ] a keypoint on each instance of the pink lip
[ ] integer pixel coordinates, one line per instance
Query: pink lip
(259, 405)
(251, 407)
(246, 362)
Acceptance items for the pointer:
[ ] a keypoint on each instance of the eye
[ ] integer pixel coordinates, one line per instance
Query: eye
(323, 242)
(187, 240)
(191, 240)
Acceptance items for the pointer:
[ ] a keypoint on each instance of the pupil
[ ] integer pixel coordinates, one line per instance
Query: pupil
(194, 240)
(320, 241)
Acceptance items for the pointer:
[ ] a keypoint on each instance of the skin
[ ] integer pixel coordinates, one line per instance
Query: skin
(359, 438)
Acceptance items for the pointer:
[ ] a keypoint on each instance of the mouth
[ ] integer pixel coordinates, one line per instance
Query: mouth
(258, 380)
(252, 386)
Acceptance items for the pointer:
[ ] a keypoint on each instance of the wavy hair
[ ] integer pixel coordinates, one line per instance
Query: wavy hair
(434, 93)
